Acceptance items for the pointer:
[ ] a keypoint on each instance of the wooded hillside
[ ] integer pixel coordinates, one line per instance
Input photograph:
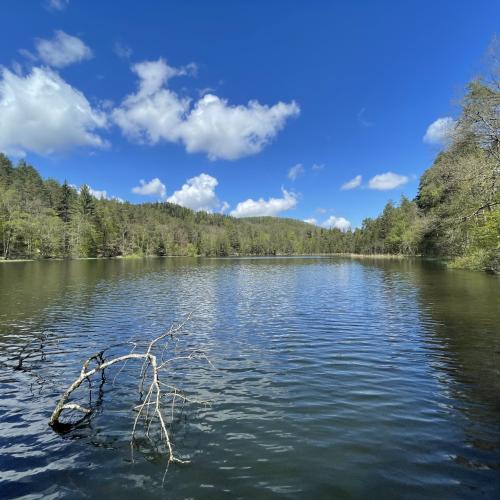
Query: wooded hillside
(455, 214)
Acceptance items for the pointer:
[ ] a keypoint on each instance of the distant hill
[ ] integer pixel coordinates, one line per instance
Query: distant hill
(456, 213)
(45, 219)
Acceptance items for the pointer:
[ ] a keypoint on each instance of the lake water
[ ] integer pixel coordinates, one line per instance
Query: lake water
(333, 378)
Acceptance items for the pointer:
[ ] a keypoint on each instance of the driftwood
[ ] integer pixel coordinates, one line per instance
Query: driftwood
(154, 394)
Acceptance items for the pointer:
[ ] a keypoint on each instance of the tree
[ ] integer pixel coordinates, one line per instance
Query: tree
(86, 204)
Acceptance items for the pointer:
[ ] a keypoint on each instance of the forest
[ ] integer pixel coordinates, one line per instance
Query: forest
(455, 214)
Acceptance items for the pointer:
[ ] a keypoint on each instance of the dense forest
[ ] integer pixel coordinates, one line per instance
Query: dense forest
(42, 218)
(456, 213)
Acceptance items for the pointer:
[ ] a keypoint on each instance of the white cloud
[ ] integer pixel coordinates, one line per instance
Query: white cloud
(389, 180)
(312, 221)
(295, 171)
(57, 4)
(210, 125)
(62, 50)
(337, 223)
(152, 188)
(352, 184)
(261, 207)
(198, 193)
(231, 132)
(440, 131)
(100, 195)
(153, 113)
(42, 113)
(321, 210)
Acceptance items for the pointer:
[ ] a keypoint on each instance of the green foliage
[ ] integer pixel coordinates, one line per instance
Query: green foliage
(456, 213)
(483, 251)
(44, 219)
(458, 196)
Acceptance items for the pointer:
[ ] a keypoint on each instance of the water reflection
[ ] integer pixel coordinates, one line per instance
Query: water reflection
(335, 378)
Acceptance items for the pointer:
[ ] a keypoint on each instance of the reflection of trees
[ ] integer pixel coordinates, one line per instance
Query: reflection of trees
(460, 312)
(464, 308)
(459, 326)
(27, 289)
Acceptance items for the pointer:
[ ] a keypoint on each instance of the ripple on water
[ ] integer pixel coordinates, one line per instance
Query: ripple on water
(333, 378)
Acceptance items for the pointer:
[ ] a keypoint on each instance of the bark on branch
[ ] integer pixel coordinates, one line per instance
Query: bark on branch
(150, 409)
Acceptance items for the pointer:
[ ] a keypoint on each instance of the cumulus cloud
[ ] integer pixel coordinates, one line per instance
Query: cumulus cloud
(62, 50)
(295, 171)
(389, 180)
(352, 184)
(210, 125)
(317, 167)
(153, 113)
(312, 221)
(440, 131)
(262, 207)
(198, 193)
(337, 223)
(152, 188)
(42, 113)
(231, 132)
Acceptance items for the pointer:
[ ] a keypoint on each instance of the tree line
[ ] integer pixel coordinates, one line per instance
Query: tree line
(456, 213)
(45, 219)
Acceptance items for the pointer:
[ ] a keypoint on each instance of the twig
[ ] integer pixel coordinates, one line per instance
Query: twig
(150, 409)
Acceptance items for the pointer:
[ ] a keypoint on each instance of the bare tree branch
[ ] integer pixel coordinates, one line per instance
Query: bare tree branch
(151, 409)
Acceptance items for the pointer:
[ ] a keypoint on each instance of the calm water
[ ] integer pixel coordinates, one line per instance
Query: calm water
(333, 379)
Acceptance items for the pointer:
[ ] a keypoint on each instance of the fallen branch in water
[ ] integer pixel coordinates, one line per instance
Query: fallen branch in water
(153, 400)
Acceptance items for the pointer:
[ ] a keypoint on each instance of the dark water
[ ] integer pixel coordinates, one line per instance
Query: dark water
(334, 379)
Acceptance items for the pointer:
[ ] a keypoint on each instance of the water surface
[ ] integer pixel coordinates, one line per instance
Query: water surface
(333, 378)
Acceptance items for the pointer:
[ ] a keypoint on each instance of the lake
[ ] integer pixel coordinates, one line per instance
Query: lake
(332, 378)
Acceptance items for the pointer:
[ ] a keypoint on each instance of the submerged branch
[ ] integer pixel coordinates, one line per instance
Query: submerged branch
(152, 406)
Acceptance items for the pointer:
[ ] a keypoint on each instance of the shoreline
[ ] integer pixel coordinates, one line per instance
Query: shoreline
(444, 261)
(270, 256)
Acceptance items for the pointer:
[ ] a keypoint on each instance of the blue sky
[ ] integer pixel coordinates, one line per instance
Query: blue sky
(112, 93)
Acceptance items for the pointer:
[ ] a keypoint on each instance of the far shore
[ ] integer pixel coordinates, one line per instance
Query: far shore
(137, 257)
(359, 256)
